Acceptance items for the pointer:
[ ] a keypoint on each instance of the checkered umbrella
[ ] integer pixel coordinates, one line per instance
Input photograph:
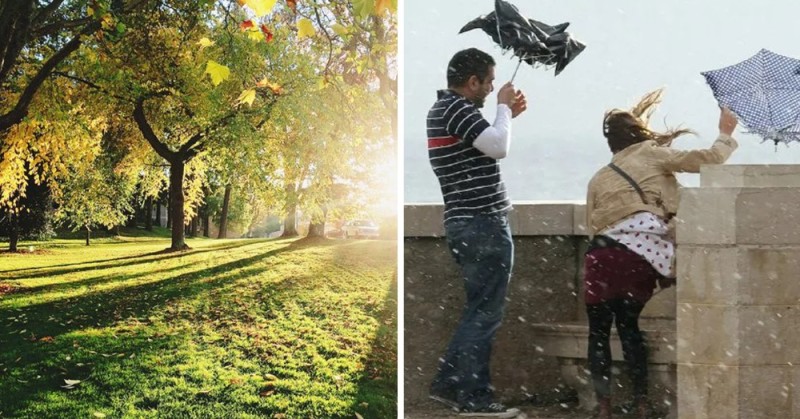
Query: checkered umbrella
(532, 41)
(764, 92)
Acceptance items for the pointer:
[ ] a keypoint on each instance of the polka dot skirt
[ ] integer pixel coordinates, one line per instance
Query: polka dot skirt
(646, 235)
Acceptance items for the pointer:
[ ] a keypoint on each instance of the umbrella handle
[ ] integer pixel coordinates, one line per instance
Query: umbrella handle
(515, 71)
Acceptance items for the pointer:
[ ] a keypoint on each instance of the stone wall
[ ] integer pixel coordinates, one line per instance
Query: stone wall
(739, 294)
(546, 287)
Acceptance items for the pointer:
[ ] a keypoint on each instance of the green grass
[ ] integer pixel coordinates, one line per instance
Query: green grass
(230, 329)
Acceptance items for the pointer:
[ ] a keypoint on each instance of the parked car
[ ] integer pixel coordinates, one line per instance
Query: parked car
(360, 229)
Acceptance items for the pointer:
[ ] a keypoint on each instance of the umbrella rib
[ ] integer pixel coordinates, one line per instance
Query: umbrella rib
(497, 18)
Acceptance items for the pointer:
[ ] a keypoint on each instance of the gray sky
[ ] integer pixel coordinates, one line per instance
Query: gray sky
(633, 46)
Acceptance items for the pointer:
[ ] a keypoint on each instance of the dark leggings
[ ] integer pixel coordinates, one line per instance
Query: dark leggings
(626, 312)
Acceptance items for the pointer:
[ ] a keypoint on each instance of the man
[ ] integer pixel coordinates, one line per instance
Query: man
(464, 149)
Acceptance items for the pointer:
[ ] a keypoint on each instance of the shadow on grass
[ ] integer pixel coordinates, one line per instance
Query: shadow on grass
(47, 271)
(88, 282)
(378, 386)
(104, 308)
(98, 310)
(375, 385)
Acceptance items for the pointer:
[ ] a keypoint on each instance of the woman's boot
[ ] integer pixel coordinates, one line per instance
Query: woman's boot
(604, 408)
(642, 409)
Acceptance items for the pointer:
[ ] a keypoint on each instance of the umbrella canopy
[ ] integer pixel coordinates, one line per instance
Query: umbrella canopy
(532, 41)
(764, 92)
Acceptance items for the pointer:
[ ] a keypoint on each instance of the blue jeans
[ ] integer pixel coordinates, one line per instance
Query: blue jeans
(483, 248)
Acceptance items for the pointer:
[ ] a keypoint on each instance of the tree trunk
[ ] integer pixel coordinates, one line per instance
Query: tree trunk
(176, 204)
(132, 220)
(148, 209)
(223, 221)
(205, 218)
(317, 227)
(14, 235)
(158, 213)
(169, 210)
(88, 234)
(194, 227)
(290, 222)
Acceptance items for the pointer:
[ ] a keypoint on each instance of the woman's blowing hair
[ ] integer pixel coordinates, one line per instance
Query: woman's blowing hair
(625, 128)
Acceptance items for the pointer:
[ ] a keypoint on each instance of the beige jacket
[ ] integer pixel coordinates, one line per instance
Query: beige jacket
(611, 198)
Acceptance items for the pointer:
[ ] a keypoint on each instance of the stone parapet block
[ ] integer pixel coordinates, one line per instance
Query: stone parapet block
(738, 392)
(741, 216)
(708, 334)
(749, 176)
(707, 216)
(708, 391)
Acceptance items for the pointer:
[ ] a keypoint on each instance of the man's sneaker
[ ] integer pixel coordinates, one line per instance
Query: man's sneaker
(445, 400)
(494, 410)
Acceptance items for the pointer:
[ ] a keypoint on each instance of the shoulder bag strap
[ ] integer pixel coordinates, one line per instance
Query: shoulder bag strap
(630, 180)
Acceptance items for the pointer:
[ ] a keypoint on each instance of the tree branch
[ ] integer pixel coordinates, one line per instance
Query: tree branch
(48, 10)
(93, 86)
(194, 146)
(149, 135)
(21, 110)
(59, 26)
(330, 40)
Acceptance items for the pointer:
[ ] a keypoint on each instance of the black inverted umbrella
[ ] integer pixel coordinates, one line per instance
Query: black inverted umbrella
(532, 41)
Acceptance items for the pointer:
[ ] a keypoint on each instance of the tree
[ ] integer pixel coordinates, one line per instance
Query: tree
(31, 218)
(178, 111)
(94, 195)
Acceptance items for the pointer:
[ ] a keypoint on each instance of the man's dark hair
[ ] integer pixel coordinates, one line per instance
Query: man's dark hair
(467, 63)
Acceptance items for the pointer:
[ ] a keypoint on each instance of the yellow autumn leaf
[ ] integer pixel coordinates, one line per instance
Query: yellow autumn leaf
(107, 21)
(260, 7)
(275, 87)
(305, 28)
(339, 29)
(381, 6)
(255, 34)
(205, 42)
(247, 96)
(217, 71)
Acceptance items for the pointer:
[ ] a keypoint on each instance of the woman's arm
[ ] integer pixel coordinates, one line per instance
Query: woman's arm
(690, 161)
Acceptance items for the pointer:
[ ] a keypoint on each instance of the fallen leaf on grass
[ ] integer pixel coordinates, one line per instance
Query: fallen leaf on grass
(266, 393)
(359, 416)
(47, 339)
(99, 415)
(71, 384)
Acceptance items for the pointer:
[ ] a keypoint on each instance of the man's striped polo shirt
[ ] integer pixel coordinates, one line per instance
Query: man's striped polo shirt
(469, 179)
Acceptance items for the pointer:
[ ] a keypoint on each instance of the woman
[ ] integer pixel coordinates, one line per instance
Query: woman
(629, 208)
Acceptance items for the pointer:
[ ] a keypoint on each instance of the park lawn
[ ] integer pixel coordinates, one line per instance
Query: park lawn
(230, 329)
